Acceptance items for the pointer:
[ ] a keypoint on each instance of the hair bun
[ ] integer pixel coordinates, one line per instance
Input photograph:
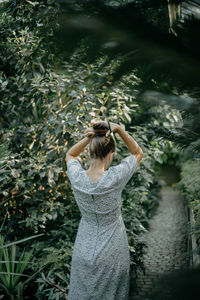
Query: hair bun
(100, 132)
(104, 143)
(100, 128)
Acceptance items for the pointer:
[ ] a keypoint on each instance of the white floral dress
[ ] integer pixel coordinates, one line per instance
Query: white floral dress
(101, 260)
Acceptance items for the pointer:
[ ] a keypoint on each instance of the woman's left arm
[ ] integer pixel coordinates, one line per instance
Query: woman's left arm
(75, 150)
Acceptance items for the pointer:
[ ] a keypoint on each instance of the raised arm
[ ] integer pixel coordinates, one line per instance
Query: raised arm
(75, 150)
(129, 141)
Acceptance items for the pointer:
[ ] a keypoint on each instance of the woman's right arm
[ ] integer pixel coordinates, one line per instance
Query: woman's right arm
(129, 141)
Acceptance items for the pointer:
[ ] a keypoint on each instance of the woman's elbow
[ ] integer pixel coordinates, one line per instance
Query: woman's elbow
(140, 152)
(140, 155)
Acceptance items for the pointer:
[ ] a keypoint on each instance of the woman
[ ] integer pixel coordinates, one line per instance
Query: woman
(101, 260)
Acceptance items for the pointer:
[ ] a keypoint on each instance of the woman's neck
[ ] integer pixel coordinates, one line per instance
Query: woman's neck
(97, 165)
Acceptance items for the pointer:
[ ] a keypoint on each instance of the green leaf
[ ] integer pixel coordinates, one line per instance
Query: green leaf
(54, 215)
(22, 240)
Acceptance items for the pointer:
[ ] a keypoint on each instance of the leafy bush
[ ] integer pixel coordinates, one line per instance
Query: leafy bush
(190, 187)
(45, 109)
(12, 270)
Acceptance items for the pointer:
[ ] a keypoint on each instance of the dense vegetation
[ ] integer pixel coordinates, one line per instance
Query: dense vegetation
(189, 185)
(48, 99)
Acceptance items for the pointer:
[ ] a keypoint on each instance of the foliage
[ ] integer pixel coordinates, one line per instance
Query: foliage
(190, 187)
(49, 289)
(47, 102)
(12, 270)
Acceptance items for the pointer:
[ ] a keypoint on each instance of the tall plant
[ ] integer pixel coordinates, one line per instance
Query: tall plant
(12, 270)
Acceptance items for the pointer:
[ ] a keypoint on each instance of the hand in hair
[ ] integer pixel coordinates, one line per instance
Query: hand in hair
(114, 127)
(94, 121)
(89, 132)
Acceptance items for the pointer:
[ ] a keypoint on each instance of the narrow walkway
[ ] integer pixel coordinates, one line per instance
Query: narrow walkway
(166, 241)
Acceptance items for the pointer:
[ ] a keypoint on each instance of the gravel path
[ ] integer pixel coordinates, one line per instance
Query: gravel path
(166, 241)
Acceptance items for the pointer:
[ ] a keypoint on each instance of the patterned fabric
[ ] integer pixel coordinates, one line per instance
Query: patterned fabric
(101, 260)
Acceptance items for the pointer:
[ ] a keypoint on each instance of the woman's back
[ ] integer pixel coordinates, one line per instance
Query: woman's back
(100, 261)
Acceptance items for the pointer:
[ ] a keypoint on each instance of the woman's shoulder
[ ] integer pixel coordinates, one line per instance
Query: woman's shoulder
(129, 160)
(123, 171)
(73, 168)
(72, 160)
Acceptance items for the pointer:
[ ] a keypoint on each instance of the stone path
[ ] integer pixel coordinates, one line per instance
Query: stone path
(166, 241)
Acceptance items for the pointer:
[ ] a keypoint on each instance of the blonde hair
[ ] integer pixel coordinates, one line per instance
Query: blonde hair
(102, 142)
